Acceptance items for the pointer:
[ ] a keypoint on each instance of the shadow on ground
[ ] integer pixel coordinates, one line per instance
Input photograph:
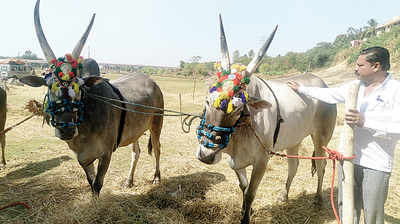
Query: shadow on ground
(36, 168)
(176, 198)
(300, 209)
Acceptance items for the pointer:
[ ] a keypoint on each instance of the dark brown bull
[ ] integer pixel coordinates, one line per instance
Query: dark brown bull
(103, 127)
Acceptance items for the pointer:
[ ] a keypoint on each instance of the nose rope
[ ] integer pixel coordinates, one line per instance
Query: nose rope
(226, 133)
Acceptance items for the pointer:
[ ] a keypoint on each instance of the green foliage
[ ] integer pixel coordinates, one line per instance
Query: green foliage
(196, 68)
(29, 55)
(390, 40)
(324, 54)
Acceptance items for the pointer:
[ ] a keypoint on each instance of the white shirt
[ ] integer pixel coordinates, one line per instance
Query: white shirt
(374, 144)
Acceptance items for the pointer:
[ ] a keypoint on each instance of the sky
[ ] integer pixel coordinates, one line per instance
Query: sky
(164, 32)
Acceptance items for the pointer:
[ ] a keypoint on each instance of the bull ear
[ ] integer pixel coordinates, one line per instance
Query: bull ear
(257, 103)
(92, 80)
(33, 80)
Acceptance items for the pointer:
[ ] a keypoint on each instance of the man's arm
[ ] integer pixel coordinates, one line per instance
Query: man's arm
(328, 95)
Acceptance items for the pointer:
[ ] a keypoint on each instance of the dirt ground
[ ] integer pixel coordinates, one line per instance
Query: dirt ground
(45, 174)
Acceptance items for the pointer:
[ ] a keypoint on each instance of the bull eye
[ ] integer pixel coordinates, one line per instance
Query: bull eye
(218, 138)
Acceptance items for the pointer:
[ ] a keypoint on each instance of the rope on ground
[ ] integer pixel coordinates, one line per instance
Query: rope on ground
(332, 155)
(15, 204)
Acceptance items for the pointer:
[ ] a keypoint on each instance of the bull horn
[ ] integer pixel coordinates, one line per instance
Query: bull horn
(253, 65)
(48, 53)
(79, 46)
(225, 61)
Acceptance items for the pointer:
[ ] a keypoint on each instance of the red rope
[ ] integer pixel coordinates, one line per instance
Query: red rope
(332, 155)
(15, 204)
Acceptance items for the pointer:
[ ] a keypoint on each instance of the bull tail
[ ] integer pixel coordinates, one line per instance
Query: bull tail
(150, 146)
(313, 166)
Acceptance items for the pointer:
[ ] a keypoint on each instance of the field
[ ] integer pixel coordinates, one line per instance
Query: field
(45, 174)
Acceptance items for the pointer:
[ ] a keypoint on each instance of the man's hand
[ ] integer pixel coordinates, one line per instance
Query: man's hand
(353, 117)
(294, 85)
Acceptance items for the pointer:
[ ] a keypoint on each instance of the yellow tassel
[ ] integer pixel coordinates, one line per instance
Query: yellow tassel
(242, 68)
(54, 88)
(217, 102)
(65, 77)
(235, 66)
(246, 95)
(76, 87)
(230, 107)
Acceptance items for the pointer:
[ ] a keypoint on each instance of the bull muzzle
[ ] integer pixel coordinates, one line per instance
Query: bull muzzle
(208, 156)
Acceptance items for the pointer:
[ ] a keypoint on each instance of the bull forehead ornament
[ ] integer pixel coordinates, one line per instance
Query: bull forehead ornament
(229, 91)
(227, 94)
(64, 89)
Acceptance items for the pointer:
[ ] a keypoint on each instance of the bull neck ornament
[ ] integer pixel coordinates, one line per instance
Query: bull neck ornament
(230, 83)
(64, 89)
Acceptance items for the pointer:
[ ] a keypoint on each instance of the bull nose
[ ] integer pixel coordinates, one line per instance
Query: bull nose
(205, 159)
(65, 133)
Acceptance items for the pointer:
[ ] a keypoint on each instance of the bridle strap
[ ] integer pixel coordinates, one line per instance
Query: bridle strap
(278, 113)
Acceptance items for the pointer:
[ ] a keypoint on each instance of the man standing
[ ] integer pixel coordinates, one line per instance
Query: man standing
(376, 124)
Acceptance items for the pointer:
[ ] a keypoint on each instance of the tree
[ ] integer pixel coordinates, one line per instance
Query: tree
(251, 53)
(181, 64)
(236, 56)
(29, 55)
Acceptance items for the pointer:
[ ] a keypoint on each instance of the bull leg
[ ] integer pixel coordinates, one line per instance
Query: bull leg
(293, 164)
(155, 133)
(86, 162)
(3, 146)
(104, 163)
(134, 160)
(89, 170)
(243, 182)
(250, 192)
(319, 165)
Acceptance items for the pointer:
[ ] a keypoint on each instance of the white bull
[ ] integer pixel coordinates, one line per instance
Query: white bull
(301, 116)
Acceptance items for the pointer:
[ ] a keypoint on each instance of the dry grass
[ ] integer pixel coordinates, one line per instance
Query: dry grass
(43, 172)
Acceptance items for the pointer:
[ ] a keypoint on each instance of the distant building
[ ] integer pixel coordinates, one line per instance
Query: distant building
(385, 27)
(15, 66)
(355, 43)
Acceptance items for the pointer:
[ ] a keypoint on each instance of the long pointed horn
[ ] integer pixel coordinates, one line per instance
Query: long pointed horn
(48, 53)
(225, 60)
(79, 46)
(253, 65)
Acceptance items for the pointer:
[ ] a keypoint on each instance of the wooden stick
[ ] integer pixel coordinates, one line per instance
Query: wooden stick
(180, 105)
(348, 167)
(194, 86)
(15, 125)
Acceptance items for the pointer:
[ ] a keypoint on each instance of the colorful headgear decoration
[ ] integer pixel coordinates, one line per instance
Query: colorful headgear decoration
(224, 93)
(64, 92)
(63, 77)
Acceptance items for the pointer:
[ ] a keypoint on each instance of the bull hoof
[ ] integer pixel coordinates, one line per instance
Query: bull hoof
(156, 181)
(318, 201)
(128, 184)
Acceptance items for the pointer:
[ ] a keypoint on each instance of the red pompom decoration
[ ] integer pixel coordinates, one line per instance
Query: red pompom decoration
(53, 61)
(219, 74)
(60, 74)
(223, 78)
(219, 89)
(69, 57)
(71, 74)
(230, 93)
(74, 64)
(59, 64)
